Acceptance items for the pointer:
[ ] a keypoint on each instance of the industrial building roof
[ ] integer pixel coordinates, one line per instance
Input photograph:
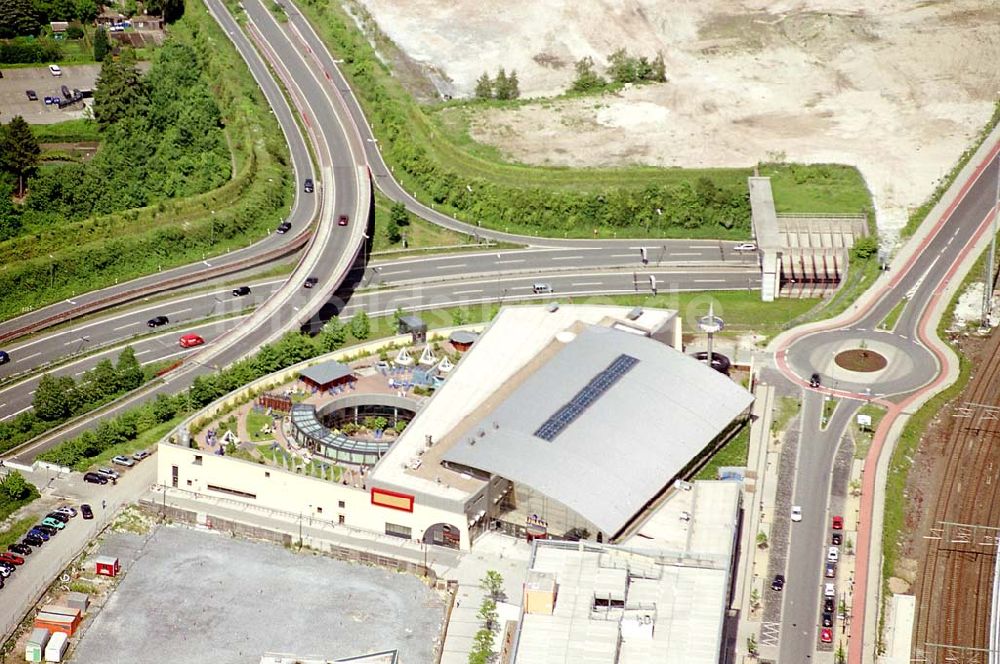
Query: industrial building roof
(517, 337)
(604, 424)
(325, 373)
(621, 606)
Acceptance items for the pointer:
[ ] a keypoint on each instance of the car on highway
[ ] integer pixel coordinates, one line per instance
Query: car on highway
(826, 635)
(827, 619)
(32, 95)
(53, 523)
(308, 186)
(832, 554)
(310, 282)
(796, 513)
(815, 381)
(94, 478)
(40, 534)
(241, 291)
(541, 288)
(22, 549)
(86, 511)
(33, 540)
(122, 460)
(4, 357)
(157, 321)
(140, 455)
(745, 246)
(778, 583)
(837, 539)
(838, 523)
(190, 341)
(110, 473)
(11, 558)
(831, 570)
(55, 70)
(342, 220)
(284, 227)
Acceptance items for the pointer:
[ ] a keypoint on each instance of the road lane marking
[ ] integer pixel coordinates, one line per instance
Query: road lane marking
(708, 281)
(519, 260)
(621, 256)
(412, 297)
(387, 272)
(143, 352)
(568, 258)
(696, 253)
(22, 359)
(448, 267)
(5, 417)
(122, 327)
(464, 292)
(710, 246)
(174, 313)
(589, 283)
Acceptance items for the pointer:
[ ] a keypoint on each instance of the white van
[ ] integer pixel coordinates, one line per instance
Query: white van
(55, 70)
(541, 288)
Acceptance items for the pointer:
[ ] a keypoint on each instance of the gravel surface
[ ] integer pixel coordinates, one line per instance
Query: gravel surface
(193, 596)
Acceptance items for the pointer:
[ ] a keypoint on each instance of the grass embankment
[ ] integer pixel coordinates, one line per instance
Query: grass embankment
(435, 158)
(16, 532)
(733, 453)
(863, 435)
(889, 322)
(788, 407)
(419, 234)
(98, 252)
(8, 506)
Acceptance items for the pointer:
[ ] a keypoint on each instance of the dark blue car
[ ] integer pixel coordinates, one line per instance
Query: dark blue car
(4, 357)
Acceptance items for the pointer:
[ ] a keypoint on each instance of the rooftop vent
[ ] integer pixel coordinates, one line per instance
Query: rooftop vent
(481, 433)
(634, 314)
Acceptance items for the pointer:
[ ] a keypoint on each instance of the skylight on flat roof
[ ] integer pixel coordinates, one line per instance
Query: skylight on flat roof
(590, 393)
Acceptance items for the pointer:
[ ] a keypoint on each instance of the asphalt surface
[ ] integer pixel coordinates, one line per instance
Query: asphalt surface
(912, 366)
(487, 292)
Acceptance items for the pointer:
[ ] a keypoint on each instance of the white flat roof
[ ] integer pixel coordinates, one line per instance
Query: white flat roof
(514, 338)
(683, 606)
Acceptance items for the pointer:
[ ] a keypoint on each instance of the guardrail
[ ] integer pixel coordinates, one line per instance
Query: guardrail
(133, 294)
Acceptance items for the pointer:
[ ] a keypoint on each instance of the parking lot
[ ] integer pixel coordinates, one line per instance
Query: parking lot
(15, 81)
(195, 596)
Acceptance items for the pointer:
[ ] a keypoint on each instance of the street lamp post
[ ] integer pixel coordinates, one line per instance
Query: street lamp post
(52, 272)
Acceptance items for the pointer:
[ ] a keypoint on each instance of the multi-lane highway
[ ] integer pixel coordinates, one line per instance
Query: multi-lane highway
(939, 259)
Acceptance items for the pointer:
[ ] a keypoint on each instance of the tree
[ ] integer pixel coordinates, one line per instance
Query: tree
(659, 69)
(488, 614)
(864, 248)
(484, 87)
(14, 487)
(492, 583)
(587, 80)
(103, 380)
(501, 85)
(622, 67)
(482, 647)
(120, 92)
(86, 11)
(399, 214)
(392, 232)
(19, 151)
(332, 336)
(101, 45)
(130, 373)
(360, 326)
(513, 87)
(10, 214)
(18, 18)
(53, 397)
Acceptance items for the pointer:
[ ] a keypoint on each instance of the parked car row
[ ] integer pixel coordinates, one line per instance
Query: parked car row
(105, 475)
(50, 526)
(830, 587)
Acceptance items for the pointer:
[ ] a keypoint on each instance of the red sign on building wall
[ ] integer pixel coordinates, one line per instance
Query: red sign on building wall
(391, 499)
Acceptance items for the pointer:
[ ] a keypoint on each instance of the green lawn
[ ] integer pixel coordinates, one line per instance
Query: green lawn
(68, 131)
(16, 532)
(863, 437)
(786, 409)
(889, 322)
(419, 233)
(257, 421)
(734, 453)
(8, 507)
(145, 441)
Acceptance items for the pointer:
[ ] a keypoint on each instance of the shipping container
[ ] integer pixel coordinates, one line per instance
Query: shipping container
(56, 647)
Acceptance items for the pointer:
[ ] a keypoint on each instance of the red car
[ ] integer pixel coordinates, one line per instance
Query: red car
(191, 340)
(838, 523)
(342, 220)
(13, 559)
(826, 635)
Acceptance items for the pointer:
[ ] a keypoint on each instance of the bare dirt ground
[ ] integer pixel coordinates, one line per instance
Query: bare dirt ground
(897, 88)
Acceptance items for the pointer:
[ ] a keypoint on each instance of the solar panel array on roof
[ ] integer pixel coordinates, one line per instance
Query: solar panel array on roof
(590, 393)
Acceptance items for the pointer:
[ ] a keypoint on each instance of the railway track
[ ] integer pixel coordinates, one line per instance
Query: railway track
(955, 578)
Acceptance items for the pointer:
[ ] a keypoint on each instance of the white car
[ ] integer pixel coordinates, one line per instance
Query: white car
(67, 510)
(745, 246)
(796, 513)
(829, 590)
(122, 460)
(832, 554)
(107, 472)
(55, 70)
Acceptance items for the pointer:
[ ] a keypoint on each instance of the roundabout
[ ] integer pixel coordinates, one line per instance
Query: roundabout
(860, 363)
